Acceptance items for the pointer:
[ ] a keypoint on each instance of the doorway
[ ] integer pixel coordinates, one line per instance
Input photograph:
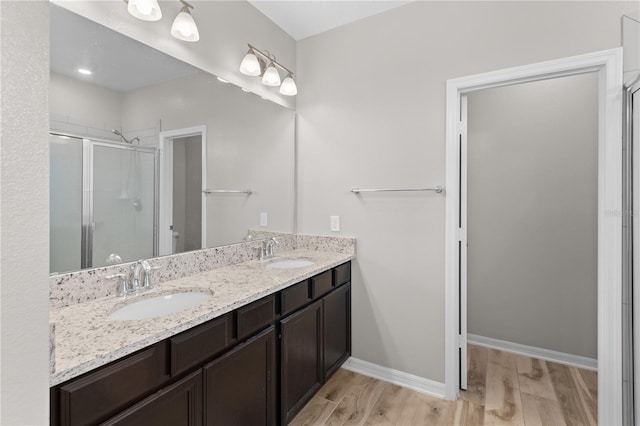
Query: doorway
(183, 171)
(608, 66)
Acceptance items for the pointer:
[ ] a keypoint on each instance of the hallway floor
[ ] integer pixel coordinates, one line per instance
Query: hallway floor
(504, 389)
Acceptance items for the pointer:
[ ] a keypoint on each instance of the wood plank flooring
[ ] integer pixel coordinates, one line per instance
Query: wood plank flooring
(503, 389)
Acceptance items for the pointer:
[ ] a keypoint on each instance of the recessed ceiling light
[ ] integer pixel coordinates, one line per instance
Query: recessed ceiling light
(84, 71)
(222, 80)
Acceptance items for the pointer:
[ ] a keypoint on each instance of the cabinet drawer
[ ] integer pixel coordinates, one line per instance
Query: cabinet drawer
(178, 404)
(342, 274)
(256, 316)
(321, 284)
(192, 347)
(107, 391)
(294, 297)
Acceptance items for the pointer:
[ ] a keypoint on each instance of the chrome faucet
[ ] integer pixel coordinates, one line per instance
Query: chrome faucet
(267, 248)
(138, 279)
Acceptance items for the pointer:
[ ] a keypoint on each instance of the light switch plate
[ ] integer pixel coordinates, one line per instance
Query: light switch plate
(263, 219)
(335, 223)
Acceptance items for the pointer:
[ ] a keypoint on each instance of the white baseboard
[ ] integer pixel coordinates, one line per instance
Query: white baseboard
(533, 352)
(400, 378)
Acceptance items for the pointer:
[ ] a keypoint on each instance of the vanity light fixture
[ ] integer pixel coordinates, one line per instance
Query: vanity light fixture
(253, 64)
(147, 10)
(184, 27)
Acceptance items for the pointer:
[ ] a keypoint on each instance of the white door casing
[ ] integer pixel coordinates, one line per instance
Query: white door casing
(165, 220)
(608, 65)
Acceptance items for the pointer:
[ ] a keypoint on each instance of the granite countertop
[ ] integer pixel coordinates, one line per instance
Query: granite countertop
(85, 338)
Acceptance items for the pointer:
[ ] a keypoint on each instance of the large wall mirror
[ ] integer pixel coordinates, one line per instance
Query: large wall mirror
(151, 156)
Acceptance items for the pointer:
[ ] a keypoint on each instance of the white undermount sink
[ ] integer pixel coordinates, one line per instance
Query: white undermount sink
(289, 264)
(160, 306)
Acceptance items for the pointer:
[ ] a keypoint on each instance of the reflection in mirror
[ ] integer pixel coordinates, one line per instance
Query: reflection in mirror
(151, 156)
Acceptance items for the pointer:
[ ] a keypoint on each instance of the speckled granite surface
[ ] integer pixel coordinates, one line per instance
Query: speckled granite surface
(333, 244)
(90, 284)
(86, 339)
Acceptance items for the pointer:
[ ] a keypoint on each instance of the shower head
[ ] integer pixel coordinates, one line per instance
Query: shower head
(117, 133)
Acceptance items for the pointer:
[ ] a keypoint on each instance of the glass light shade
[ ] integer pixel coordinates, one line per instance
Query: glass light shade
(184, 27)
(289, 87)
(250, 65)
(147, 10)
(271, 76)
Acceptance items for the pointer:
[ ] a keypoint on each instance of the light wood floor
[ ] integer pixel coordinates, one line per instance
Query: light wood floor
(503, 389)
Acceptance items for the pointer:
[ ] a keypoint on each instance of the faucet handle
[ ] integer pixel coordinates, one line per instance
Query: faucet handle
(269, 244)
(121, 286)
(148, 269)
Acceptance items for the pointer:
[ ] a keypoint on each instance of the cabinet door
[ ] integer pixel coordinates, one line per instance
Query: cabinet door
(337, 329)
(239, 387)
(300, 359)
(179, 404)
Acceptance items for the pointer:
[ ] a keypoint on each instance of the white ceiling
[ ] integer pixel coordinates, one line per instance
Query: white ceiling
(118, 62)
(304, 18)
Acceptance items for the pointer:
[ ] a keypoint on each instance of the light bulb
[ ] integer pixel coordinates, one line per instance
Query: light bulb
(289, 87)
(147, 10)
(250, 65)
(144, 7)
(271, 76)
(184, 27)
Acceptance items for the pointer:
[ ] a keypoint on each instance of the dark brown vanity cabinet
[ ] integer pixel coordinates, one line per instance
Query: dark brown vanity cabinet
(256, 365)
(240, 386)
(301, 372)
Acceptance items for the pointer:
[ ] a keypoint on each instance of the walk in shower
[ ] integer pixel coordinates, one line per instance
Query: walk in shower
(103, 202)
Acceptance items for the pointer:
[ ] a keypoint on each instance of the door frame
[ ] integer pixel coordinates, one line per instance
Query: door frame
(166, 138)
(608, 65)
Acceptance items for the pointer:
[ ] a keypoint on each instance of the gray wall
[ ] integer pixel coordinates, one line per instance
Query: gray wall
(24, 213)
(371, 113)
(74, 105)
(532, 214)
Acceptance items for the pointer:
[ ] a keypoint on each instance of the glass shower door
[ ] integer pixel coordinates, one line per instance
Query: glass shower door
(122, 181)
(65, 201)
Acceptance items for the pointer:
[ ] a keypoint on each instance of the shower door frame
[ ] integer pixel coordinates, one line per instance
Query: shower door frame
(631, 237)
(88, 225)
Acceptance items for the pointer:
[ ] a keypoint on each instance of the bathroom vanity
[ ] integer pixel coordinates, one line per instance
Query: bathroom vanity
(248, 364)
